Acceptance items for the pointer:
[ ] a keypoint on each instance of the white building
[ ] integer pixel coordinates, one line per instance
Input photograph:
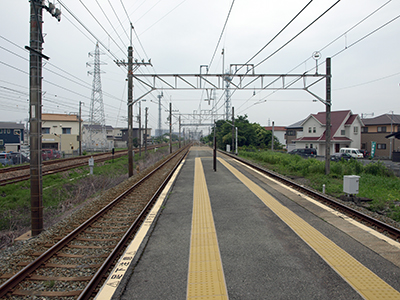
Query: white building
(345, 131)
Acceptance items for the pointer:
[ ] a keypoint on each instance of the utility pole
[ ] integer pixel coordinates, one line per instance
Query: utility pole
(273, 132)
(170, 127)
(80, 128)
(328, 117)
(140, 129)
(159, 133)
(145, 133)
(179, 131)
(233, 128)
(35, 104)
(130, 99)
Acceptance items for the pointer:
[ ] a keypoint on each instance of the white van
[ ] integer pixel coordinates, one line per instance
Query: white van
(352, 151)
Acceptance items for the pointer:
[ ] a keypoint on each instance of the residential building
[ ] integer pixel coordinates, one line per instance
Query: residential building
(60, 132)
(279, 133)
(345, 131)
(376, 129)
(98, 142)
(11, 136)
(136, 134)
(293, 132)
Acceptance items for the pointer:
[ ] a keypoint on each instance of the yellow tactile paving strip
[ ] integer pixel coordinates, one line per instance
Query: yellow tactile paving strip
(365, 282)
(206, 277)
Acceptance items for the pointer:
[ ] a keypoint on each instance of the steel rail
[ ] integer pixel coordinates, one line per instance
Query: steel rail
(81, 161)
(87, 293)
(393, 232)
(26, 271)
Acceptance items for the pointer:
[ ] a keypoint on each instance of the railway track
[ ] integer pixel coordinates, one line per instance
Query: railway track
(16, 174)
(74, 266)
(379, 226)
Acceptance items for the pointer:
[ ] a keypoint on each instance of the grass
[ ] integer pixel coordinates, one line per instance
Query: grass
(376, 181)
(63, 191)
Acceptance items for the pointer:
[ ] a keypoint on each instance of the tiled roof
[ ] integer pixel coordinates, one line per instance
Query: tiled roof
(276, 128)
(337, 119)
(385, 119)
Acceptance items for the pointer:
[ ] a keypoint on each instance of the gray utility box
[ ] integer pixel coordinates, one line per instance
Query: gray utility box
(350, 184)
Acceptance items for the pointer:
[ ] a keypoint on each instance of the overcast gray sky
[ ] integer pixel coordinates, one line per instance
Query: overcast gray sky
(181, 35)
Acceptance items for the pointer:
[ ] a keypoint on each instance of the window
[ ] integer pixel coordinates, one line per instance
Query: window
(311, 145)
(309, 129)
(355, 129)
(1, 131)
(17, 132)
(1, 142)
(45, 130)
(382, 129)
(364, 129)
(66, 130)
(343, 132)
(8, 131)
(291, 132)
(314, 130)
(381, 146)
(363, 146)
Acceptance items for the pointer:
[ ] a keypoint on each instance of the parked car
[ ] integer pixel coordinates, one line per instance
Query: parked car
(6, 159)
(339, 156)
(305, 152)
(50, 154)
(19, 157)
(352, 151)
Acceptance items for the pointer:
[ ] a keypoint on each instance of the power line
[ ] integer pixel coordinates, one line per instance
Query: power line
(286, 26)
(222, 32)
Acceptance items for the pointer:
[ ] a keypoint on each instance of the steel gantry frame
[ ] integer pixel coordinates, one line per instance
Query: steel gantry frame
(246, 81)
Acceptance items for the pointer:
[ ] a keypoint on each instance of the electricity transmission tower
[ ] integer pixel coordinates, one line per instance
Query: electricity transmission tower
(97, 134)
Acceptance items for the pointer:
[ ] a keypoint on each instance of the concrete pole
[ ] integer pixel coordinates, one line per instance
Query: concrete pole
(130, 112)
(170, 127)
(233, 128)
(35, 101)
(273, 132)
(328, 118)
(80, 128)
(145, 133)
(140, 129)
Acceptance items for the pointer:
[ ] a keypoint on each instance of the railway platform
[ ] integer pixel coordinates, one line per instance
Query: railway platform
(236, 234)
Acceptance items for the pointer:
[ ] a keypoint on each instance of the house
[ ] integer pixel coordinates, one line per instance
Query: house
(60, 132)
(293, 132)
(279, 133)
(94, 139)
(11, 135)
(135, 134)
(376, 130)
(345, 131)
